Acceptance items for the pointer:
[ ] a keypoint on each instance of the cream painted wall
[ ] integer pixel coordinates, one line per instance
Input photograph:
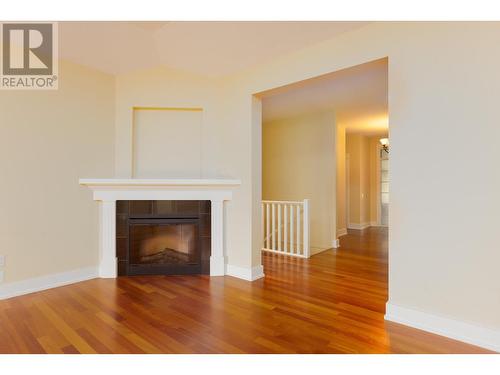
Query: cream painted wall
(48, 140)
(442, 77)
(341, 178)
(298, 162)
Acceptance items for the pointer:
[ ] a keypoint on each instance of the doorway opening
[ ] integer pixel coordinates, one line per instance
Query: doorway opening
(321, 166)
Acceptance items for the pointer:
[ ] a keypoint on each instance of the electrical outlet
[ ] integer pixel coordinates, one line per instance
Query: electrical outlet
(2, 260)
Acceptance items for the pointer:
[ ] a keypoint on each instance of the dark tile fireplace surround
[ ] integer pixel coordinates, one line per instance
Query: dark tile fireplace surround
(163, 237)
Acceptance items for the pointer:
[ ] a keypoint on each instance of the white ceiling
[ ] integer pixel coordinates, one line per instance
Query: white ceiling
(206, 48)
(358, 95)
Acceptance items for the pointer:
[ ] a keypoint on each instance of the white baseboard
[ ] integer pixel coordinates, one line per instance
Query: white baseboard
(454, 329)
(375, 224)
(249, 274)
(358, 226)
(336, 243)
(37, 284)
(341, 232)
(313, 250)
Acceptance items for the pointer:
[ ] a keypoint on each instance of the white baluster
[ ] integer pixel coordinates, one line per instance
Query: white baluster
(267, 226)
(279, 227)
(263, 221)
(285, 227)
(292, 250)
(298, 229)
(273, 225)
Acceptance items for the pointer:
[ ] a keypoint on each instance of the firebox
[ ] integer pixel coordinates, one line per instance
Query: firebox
(163, 237)
(164, 246)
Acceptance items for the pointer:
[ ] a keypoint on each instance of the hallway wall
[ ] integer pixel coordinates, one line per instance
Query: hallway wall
(298, 162)
(341, 180)
(375, 179)
(358, 149)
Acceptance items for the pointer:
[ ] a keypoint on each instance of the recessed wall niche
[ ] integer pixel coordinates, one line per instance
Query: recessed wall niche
(166, 142)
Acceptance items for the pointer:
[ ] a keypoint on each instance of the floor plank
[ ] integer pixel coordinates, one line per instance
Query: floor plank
(333, 302)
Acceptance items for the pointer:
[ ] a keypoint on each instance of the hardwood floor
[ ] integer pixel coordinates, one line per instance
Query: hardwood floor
(332, 303)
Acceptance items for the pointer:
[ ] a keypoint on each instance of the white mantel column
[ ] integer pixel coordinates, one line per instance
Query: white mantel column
(217, 260)
(107, 240)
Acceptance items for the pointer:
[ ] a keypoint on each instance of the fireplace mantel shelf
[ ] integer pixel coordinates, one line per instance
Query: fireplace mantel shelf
(108, 191)
(157, 183)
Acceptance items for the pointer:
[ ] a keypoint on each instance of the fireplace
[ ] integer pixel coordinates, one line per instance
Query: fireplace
(131, 198)
(163, 237)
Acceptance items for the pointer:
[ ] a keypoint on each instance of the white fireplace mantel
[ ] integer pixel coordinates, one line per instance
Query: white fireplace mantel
(108, 191)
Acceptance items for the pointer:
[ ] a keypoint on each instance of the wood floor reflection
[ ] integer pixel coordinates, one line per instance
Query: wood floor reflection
(333, 302)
